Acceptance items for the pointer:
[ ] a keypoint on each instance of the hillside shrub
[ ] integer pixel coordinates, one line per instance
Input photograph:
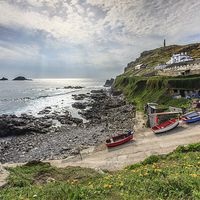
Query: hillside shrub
(151, 159)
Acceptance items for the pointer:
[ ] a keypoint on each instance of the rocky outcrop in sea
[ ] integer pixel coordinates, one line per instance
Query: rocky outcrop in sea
(3, 79)
(21, 78)
(109, 83)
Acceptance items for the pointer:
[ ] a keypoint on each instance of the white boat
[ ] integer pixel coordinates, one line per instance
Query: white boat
(167, 126)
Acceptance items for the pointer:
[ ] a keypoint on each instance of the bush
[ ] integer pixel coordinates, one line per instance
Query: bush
(151, 159)
(180, 149)
(133, 166)
(193, 147)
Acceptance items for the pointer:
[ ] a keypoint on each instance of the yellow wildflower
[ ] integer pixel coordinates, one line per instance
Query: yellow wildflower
(72, 182)
(140, 175)
(91, 186)
(122, 183)
(110, 186)
(40, 187)
(121, 193)
(197, 157)
(89, 183)
(68, 181)
(193, 175)
(106, 185)
(105, 177)
(99, 192)
(184, 157)
(133, 170)
(54, 181)
(146, 174)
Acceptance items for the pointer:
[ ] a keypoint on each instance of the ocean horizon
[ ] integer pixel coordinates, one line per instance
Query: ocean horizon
(33, 96)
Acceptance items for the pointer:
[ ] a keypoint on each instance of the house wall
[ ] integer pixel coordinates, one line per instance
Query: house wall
(175, 92)
(173, 109)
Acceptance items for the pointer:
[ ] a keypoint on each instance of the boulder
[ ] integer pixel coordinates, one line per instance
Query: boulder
(79, 105)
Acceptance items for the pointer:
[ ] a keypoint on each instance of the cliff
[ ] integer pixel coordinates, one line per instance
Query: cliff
(143, 85)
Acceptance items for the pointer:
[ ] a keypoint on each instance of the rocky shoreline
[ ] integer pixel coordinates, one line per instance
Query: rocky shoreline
(27, 138)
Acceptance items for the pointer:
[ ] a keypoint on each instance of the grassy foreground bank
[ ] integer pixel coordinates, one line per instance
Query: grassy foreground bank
(172, 176)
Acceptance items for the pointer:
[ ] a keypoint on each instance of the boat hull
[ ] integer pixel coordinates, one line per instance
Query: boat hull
(166, 128)
(188, 118)
(119, 140)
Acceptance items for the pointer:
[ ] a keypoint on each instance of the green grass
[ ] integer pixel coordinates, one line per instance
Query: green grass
(163, 54)
(172, 176)
(156, 89)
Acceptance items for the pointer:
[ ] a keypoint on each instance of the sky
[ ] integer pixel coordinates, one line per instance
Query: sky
(89, 38)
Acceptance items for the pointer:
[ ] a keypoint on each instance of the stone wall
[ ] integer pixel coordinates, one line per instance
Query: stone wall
(173, 109)
(181, 69)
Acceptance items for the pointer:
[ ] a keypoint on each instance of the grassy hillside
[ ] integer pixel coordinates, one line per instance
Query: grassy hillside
(142, 87)
(172, 176)
(156, 89)
(161, 55)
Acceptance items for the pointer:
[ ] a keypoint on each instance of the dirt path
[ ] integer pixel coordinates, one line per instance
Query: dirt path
(143, 144)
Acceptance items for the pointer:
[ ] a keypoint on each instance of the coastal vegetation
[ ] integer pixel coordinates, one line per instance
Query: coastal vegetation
(172, 176)
(156, 89)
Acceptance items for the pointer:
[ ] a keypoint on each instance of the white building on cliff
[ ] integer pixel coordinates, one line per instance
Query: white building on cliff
(181, 57)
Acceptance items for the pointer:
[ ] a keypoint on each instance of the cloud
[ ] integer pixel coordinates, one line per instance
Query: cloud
(105, 33)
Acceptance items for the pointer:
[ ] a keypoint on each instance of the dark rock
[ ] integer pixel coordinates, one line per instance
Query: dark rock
(73, 87)
(21, 78)
(79, 96)
(4, 79)
(97, 91)
(109, 82)
(79, 105)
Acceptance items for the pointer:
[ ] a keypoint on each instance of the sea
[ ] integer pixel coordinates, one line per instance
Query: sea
(32, 96)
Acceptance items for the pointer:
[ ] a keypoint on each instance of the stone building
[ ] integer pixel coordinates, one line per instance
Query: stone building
(184, 68)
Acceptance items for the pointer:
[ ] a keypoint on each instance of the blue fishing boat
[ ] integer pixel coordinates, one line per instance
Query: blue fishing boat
(191, 116)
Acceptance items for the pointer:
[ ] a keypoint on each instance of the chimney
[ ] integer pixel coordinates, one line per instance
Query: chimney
(164, 42)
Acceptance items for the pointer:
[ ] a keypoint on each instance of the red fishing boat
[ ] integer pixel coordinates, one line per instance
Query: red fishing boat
(120, 139)
(164, 127)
